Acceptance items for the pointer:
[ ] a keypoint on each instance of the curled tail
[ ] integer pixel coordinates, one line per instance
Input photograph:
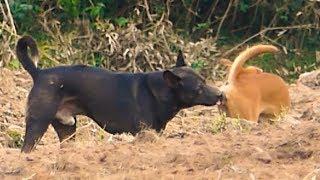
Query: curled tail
(246, 55)
(24, 58)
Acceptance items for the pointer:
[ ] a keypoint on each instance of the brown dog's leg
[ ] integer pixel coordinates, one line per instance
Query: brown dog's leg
(64, 131)
(249, 114)
(254, 114)
(42, 106)
(243, 108)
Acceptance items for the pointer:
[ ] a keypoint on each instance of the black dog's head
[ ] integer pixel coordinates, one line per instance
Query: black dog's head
(189, 87)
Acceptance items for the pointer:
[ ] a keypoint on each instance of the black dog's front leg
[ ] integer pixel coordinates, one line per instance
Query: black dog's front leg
(64, 131)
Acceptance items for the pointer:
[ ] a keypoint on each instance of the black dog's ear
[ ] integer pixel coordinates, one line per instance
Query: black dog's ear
(180, 60)
(171, 79)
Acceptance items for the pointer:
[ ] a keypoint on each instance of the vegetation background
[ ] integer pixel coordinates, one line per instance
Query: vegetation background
(144, 35)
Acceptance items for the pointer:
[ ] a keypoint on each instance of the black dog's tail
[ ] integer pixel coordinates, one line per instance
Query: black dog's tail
(22, 54)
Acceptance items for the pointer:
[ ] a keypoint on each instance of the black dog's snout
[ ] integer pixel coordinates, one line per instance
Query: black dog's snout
(222, 97)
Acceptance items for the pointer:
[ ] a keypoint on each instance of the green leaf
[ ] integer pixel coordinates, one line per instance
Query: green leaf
(202, 26)
(121, 21)
(14, 64)
(198, 65)
(244, 6)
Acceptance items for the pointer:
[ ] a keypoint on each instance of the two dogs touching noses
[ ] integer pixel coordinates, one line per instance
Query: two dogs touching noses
(121, 102)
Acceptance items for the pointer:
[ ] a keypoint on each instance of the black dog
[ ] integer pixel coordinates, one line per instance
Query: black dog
(118, 102)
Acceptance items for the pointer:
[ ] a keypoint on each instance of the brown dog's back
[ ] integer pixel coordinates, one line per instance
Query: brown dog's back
(251, 92)
(249, 53)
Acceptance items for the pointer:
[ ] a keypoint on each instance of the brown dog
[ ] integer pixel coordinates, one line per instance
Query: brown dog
(250, 91)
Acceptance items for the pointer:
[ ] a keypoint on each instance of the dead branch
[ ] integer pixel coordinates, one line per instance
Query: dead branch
(189, 9)
(10, 17)
(223, 18)
(146, 6)
(304, 26)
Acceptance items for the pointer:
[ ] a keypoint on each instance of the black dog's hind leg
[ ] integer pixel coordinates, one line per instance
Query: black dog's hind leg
(64, 131)
(43, 103)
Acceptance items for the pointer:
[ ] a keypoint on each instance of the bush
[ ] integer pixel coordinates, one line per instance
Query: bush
(69, 22)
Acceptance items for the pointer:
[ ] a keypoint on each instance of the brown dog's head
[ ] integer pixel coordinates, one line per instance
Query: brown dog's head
(189, 87)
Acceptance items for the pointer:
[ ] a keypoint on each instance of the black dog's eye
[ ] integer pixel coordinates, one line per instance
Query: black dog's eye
(200, 90)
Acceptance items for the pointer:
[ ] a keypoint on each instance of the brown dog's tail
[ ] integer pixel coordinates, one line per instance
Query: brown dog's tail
(246, 55)
(22, 54)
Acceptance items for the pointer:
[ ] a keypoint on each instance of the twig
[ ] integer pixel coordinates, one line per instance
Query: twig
(223, 18)
(10, 17)
(148, 61)
(235, 10)
(239, 29)
(312, 175)
(275, 42)
(212, 10)
(146, 6)
(72, 135)
(168, 8)
(304, 26)
(255, 13)
(4, 14)
(158, 23)
(29, 177)
(189, 9)
(164, 38)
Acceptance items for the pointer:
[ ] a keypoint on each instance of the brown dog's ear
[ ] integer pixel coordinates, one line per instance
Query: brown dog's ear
(180, 60)
(171, 79)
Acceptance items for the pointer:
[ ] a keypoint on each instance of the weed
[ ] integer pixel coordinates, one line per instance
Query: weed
(121, 21)
(219, 124)
(226, 159)
(279, 117)
(198, 65)
(16, 139)
(14, 64)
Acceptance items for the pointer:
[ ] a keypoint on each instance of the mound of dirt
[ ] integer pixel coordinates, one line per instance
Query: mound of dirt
(193, 145)
(310, 79)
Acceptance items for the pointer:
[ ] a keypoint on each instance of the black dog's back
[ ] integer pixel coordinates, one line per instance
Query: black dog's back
(128, 95)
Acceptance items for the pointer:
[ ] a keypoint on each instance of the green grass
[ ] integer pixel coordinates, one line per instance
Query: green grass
(288, 66)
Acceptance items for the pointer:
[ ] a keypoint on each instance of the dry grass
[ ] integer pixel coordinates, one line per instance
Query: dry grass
(187, 149)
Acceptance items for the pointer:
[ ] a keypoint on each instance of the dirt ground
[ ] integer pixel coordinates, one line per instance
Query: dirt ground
(197, 144)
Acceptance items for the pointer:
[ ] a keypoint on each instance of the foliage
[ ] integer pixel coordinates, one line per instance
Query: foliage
(198, 65)
(191, 19)
(14, 64)
(121, 21)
